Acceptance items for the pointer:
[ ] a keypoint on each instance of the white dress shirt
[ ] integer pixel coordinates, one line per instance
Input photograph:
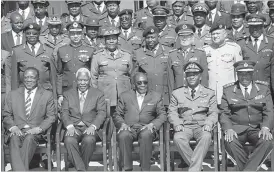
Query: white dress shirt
(77, 18)
(260, 39)
(196, 89)
(14, 35)
(102, 6)
(43, 20)
(213, 14)
(115, 53)
(116, 20)
(140, 99)
(248, 88)
(36, 47)
(128, 31)
(238, 30)
(91, 41)
(26, 12)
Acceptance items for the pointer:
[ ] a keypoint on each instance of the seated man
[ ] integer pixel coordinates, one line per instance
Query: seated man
(193, 113)
(29, 111)
(247, 116)
(139, 115)
(83, 113)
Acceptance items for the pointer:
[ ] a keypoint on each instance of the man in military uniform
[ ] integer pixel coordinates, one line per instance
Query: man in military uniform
(226, 6)
(5, 86)
(193, 113)
(167, 35)
(247, 116)
(179, 16)
(254, 7)
(202, 35)
(130, 38)
(72, 57)
(259, 48)
(186, 53)
(144, 17)
(95, 8)
(152, 59)
(270, 29)
(112, 19)
(92, 38)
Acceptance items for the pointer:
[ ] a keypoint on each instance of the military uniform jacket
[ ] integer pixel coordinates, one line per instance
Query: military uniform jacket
(99, 44)
(155, 65)
(89, 9)
(185, 19)
(168, 36)
(44, 29)
(104, 22)
(270, 30)
(176, 62)
(133, 41)
(204, 39)
(69, 60)
(238, 113)
(5, 81)
(220, 17)
(264, 68)
(185, 110)
(7, 42)
(111, 74)
(244, 33)
(143, 18)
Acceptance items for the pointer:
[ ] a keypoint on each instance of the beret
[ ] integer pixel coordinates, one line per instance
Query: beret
(217, 26)
(34, 26)
(150, 30)
(125, 11)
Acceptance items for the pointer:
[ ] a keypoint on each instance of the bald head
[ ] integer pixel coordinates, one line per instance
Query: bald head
(16, 21)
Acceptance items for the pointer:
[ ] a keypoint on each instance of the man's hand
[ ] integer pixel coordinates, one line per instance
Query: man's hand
(179, 128)
(60, 100)
(124, 127)
(90, 130)
(16, 131)
(149, 127)
(35, 130)
(230, 133)
(71, 130)
(207, 128)
(265, 133)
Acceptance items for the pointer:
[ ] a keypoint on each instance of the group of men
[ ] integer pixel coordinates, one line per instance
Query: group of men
(194, 65)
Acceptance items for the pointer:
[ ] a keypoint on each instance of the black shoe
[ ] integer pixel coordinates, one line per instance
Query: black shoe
(45, 164)
(230, 163)
(152, 161)
(70, 165)
(34, 164)
(267, 163)
(183, 164)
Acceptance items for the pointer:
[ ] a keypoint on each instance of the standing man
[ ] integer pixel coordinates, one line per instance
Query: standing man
(139, 115)
(112, 19)
(5, 86)
(83, 113)
(95, 9)
(247, 116)
(130, 38)
(254, 7)
(270, 29)
(193, 113)
(29, 112)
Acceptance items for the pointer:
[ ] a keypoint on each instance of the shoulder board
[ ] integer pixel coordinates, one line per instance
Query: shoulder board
(232, 43)
(180, 88)
(209, 88)
(200, 49)
(173, 50)
(229, 85)
(125, 50)
(262, 82)
(223, 11)
(98, 51)
(270, 36)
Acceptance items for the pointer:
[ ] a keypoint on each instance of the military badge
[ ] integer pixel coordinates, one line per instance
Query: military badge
(31, 26)
(184, 26)
(245, 65)
(259, 97)
(75, 24)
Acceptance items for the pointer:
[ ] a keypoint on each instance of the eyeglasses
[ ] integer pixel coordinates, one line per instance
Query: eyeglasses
(141, 82)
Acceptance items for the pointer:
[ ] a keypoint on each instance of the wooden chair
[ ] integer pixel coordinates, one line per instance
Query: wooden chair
(171, 149)
(158, 146)
(101, 147)
(41, 148)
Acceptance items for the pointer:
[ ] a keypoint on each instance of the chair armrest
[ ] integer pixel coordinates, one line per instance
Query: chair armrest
(49, 134)
(167, 131)
(105, 130)
(58, 132)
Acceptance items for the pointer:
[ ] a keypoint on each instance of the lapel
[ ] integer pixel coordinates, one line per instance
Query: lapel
(160, 51)
(147, 13)
(189, 55)
(147, 98)
(40, 50)
(205, 31)
(187, 93)
(263, 44)
(198, 93)
(132, 33)
(254, 91)
(164, 33)
(149, 53)
(217, 18)
(27, 50)
(44, 28)
(37, 96)
(134, 100)
(21, 98)
(10, 39)
(270, 30)
(122, 36)
(59, 39)
(250, 45)
(76, 95)
(238, 92)
(87, 100)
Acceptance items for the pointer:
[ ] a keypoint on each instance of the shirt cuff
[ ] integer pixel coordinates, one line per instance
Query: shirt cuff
(69, 126)
(94, 126)
(266, 128)
(11, 128)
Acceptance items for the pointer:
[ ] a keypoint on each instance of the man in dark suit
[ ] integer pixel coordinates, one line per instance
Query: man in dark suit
(247, 116)
(83, 113)
(139, 115)
(29, 111)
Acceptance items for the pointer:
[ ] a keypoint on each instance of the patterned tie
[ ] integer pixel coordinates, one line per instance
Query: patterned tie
(199, 32)
(82, 101)
(17, 39)
(33, 50)
(28, 104)
(193, 93)
(246, 93)
(23, 14)
(40, 23)
(256, 45)
(126, 33)
(113, 22)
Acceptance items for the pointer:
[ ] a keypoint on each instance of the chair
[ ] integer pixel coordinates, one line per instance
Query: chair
(158, 146)
(170, 148)
(101, 147)
(41, 148)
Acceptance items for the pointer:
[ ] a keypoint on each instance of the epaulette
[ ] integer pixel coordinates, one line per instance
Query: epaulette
(223, 11)
(98, 51)
(229, 85)
(270, 36)
(200, 49)
(173, 50)
(184, 86)
(232, 43)
(262, 82)
(209, 88)
(125, 50)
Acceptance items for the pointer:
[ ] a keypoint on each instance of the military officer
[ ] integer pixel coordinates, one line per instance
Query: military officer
(152, 59)
(72, 57)
(5, 86)
(221, 55)
(193, 113)
(112, 19)
(179, 16)
(259, 48)
(92, 37)
(186, 53)
(144, 17)
(254, 7)
(270, 29)
(95, 8)
(226, 6)
(202, 35)
(167, 35)
(111, 67)
(247, 116)
(130, 38)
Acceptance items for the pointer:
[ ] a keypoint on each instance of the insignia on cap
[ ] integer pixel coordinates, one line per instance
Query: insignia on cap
(31, 26)
(184, 26)
(75, 24)
(253, 19)
(93, 20)
(220, 26)
(152, 30)
(54, 18)
(245, 65)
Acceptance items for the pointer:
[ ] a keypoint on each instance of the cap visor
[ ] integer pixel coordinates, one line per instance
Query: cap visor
(185, 33)
(75, 30)
(245, 70)
(255, 23)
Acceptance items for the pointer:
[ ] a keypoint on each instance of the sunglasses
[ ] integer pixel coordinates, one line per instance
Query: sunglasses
(141, 82)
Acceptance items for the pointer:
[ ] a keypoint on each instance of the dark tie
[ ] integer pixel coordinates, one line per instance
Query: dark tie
(17, 39)
(112, 55)
(177, 20)
(28, 104)
(199, 32)
(33, 49)
(246, 93)
(113, 22)
(210, 18)
(82, 101)
(256, 45)
(193, 93)
(40, 23)
(55, 40)
(126, 34)
(74, 19)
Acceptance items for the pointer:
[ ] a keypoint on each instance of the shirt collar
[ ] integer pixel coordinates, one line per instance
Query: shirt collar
(115, 52)
(14, 33)
(37, 45)
(239, 29)
(43, 20)
(90, 39)
(214, 11)
(32, 91)
(259, 39)
(27, 10)
(196, 89)
(85, 93)
(128, 31)
(249, 87)
(116, 19)
(72, 18)
(140, 95)
(202, 28)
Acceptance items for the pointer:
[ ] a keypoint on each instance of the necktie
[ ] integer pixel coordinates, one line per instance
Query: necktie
(140, 100)
(177, 20)
(33, 49)
(17, 39)
(199, 32)
(55, 40)
(112, 54)
(193, 93)
(82, 101)
(74, 19)
(210, 18)
(23, 14)
(256, 45)
(125, 33)
(113, 22)
(28, 104)
(246, 93)
(184, 53)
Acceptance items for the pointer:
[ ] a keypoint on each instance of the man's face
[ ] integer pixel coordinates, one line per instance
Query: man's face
(92, 31)
(17, 23)
(186, 40)
(237, 20)
(54, 30)
(141, 82)
(32, 36)
(152, 3)
(256, 30)
(23, 4)
(253, 6)
(271, 15)
(83, 81)
(178, 8)
(218, 36)
(193, 79)
(199, 18)
(151, 40)
(245, 78)
(75, 36)
(30, 79)
(112, 9)
(40, 10)
(111, 42)
(74, 9)
(159, 22)
(211, 4)
(126, 21)
(192, 2)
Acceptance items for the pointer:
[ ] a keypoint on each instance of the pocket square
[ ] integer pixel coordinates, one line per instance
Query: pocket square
(150, 104)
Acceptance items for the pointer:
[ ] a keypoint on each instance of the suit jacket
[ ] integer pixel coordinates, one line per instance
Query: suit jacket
(7, 42)
(42, 110)
(128, 112)
(94, 110)
(220, 18)
(204, 39)
(89, 9)
(238, 114)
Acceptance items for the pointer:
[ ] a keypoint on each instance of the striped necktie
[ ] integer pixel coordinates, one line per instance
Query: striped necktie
(28, 104)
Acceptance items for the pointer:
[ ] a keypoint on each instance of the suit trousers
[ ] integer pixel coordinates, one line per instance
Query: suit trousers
(145, 139)
(80, 156)
(193, 158)
(246, 162)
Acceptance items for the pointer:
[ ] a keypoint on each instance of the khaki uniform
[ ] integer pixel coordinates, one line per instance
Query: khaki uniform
(97, 45)
(238, 36)
(270, 30)
(5, 87)
(111, 74)
(204, 39)
(168, 36)
(143, 18)
(105, 22)
(220, 17)
(133, 41)
(184, 19)
(89, 10)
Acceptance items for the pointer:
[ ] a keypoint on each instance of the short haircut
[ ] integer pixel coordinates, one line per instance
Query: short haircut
(138, 74)
(83, 70)
(33, 69)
